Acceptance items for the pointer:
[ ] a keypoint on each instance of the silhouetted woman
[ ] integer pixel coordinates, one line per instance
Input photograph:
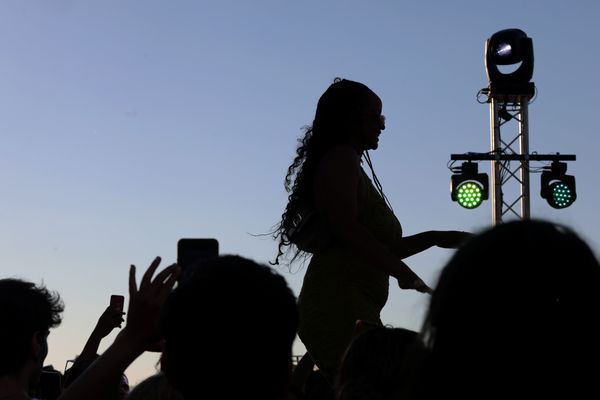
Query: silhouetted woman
(336, 212)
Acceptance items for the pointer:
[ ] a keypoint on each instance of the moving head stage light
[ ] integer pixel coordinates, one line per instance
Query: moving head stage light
(510, 47)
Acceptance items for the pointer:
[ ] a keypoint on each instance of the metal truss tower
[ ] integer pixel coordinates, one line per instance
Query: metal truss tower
(508, 96)
(510, 184)
(503, 111)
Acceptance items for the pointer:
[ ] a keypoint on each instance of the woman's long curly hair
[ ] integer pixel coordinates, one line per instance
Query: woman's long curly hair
(339, 115)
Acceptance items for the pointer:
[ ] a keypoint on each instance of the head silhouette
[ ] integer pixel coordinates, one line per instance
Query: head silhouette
(378, 364)
(27, 312)
(344, 114)
(518, 298)
(229, 329)
(154, 387)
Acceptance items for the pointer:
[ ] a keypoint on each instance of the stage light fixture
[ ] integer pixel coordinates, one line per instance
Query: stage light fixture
(510, 47)
(468, 187)
(558, 188)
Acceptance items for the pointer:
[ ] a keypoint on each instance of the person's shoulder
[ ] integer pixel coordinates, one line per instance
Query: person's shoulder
(339, 163)
(341, 155)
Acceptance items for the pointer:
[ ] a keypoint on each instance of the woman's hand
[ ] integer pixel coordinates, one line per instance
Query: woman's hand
(417, 284)
(451, 239)
(407, 279)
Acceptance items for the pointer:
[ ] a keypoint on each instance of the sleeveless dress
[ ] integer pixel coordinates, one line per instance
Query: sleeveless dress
(339, 288)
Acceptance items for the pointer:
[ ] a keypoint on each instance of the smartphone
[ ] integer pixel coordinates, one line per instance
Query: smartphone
(193, 251)
(117, 301)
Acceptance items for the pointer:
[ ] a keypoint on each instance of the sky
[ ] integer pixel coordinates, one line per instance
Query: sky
(126, 125)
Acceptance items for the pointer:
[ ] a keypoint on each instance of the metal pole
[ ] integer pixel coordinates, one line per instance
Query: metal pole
(524, 147)
(496, 147)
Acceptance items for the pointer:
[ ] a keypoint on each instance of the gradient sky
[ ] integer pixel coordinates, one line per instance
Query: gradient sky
(127, 125)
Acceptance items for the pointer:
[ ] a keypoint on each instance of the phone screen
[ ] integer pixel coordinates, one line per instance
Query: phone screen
(193, 251)
(117, 301)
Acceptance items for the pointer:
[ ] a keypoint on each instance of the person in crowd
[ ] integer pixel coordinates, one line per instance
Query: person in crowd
(317, 387)
(339, 215)
(228, 332)
(515, 314)
(154, 387)
(27, 313)
(381, 363)
(302, 372)
(101, 380)
(50, 384)
(110, 319)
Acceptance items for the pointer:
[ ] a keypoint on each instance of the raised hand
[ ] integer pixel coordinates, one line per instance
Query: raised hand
(101, 380)
(110, 319)
(145, 302)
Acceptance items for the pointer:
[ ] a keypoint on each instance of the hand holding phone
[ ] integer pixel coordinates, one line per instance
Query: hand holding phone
(112, 317)
(117, 302)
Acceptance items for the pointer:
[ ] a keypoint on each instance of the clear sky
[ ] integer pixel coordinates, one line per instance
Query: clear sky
(126, 125)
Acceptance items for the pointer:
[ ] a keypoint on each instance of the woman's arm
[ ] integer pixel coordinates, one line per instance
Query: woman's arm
(411, 245)
(336, 187)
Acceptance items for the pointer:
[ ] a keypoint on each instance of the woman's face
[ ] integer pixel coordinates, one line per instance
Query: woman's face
(373, 122)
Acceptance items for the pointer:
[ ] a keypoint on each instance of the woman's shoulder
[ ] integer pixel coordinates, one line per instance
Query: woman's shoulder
(340, 164)
(341, 155)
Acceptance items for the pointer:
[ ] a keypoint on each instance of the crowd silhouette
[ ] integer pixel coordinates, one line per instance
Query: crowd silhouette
(498, 323)
(514, 311)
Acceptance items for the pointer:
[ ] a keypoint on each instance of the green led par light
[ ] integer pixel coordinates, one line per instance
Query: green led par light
(558, 188)
(468, 187)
